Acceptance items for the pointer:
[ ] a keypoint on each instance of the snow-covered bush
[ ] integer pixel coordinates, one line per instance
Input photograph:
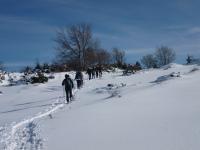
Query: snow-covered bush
(13, 79)
(39, 79)
(128, 72)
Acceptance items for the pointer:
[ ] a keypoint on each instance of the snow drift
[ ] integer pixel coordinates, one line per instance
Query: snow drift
(112, 113)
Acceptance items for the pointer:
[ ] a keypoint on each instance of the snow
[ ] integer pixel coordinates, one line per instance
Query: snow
(155, 109)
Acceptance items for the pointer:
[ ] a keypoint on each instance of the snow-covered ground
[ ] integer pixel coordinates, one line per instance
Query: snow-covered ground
(156, 109)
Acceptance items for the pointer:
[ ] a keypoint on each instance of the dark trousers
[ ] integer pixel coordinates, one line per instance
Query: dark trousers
(93, 75)
(97, 74)
(79, 83)
(68, 94)
(89, 76)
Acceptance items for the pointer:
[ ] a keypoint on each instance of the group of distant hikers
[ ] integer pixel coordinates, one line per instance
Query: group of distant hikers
(93, 72)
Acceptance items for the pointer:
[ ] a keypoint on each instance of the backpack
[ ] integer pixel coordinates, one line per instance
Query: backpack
(68, 83)
(79, 76)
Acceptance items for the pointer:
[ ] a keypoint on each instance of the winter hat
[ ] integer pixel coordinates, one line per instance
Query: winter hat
(66, 76)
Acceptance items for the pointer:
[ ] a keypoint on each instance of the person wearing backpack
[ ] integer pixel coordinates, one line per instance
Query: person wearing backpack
(79, 79)
(69, 85)
(89, 72)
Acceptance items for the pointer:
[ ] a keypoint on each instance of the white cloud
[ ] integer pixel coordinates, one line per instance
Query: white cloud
(194, 30)
(140, 51)
(24, 25)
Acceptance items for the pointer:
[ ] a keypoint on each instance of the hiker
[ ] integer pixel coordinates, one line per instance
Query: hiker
(93, 73)
(100, 71)
(69, 85)
(97, 72)
(79, 79)
(89, 72)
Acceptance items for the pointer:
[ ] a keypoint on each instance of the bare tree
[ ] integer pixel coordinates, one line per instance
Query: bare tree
(103, 57)
(73, 42)
(164, 55)
(91, 53)
(149, 61)
(90, 57)
(118, 56)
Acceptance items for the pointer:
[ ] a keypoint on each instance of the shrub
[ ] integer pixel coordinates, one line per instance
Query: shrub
(39, 79)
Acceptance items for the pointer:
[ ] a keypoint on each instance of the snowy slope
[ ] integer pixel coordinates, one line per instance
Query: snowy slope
(139, 111)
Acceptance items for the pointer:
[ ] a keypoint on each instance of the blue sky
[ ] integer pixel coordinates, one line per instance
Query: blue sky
(27, 27)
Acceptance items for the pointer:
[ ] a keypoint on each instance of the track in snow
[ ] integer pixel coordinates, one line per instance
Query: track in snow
(25, 134)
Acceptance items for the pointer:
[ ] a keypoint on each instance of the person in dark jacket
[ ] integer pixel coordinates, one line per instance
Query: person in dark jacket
(97, 72)
(93, 73)
(100, 70)
(69, 85)
(89, 72)
(79, 79)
